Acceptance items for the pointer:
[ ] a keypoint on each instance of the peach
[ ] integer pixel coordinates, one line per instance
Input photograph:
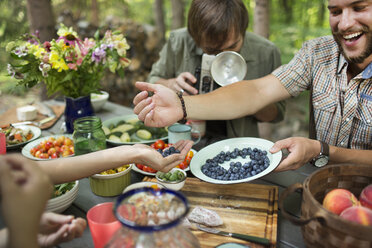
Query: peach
(365, 197)
(339, 199)
(358, 214)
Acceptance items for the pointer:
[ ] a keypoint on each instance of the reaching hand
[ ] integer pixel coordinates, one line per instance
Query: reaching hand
(151, 157)
(160, 110)
(301, 151)
(182, 82)
(57, 228)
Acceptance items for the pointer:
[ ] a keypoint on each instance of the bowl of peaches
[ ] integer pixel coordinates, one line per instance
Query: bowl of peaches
(50, 147)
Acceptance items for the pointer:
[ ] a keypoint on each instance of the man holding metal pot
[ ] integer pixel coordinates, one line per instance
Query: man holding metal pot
(337, 70)
(215, 26)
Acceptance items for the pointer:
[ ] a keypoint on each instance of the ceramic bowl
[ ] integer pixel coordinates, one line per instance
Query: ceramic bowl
(174, 185)
(111, 184)
(99, 100)
(141, 185)
(61, 203)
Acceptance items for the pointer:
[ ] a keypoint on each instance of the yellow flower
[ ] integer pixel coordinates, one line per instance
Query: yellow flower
(57, 62)
(121, 47)
(64, 31)
(37, 51)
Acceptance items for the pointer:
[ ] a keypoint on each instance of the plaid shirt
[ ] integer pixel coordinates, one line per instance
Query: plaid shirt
(342, 109)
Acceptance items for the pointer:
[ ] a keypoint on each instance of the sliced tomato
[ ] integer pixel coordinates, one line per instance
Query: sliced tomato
(140, 166)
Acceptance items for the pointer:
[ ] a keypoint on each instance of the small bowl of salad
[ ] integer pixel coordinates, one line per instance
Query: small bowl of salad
(111, 182)
(63, 196)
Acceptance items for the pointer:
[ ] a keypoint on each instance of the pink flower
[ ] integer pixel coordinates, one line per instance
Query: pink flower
(72, 66)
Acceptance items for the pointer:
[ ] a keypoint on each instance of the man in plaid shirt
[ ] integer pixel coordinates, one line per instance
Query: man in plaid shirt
(338, 71)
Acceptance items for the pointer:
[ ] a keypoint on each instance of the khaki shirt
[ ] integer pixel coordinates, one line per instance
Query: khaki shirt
(180, 54)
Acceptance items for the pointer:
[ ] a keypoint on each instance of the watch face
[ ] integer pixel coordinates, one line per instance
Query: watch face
(321, 161)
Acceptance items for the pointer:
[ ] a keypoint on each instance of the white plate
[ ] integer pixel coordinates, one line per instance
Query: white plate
(35, 130)
(116, 120)
(29, 146)
(140, 185)
(135, 168)
(212, 150)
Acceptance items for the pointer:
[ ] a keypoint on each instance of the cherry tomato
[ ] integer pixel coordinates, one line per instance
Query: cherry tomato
(54, 156)
(187, 160)
(148, 169)
(190, 154)
(183, 165)
(159, 144)
(153, 145)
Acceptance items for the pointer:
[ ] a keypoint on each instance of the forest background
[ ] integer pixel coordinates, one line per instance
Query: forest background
(146, 24)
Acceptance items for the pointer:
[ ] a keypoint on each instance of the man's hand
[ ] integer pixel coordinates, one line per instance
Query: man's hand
(57, 228)
(301, 151)
(160, 110)
(151, 157)
(183, 82)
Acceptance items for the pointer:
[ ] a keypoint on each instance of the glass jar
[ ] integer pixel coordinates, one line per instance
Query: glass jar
(152, 218)
(88, 135)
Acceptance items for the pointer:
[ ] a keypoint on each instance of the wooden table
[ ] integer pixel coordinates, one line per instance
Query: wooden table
(288, 234)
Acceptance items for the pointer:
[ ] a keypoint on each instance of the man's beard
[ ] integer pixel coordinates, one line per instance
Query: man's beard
(365, 54)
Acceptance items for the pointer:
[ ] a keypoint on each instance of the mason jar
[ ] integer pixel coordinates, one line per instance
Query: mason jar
(152, 218)
(88, 135)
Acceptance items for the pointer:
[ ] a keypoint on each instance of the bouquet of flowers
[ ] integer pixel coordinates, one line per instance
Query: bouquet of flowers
(68, 66)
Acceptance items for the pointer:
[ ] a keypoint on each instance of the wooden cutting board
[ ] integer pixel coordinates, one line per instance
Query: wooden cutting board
(244, 208)
(10, 116)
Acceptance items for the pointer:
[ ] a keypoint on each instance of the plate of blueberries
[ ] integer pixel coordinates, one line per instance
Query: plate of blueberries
(235, 160)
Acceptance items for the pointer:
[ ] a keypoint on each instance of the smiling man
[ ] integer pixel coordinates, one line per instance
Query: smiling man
(338, 71)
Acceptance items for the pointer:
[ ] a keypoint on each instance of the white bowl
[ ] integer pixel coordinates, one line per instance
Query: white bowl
(99, 100)
(174, 185)
(61, 203)
(141, 185)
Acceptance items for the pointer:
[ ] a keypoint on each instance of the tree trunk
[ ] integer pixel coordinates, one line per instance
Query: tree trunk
(261, 18)
(178, 19)
(288, 10)
(41, 18)
(261, 27)
(95, 13)
(159, 18)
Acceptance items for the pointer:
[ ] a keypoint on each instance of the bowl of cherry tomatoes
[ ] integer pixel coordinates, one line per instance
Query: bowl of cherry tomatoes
(161, 146)
(50, 147)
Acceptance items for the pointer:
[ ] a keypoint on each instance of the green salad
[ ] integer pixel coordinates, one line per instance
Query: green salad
(60, 189)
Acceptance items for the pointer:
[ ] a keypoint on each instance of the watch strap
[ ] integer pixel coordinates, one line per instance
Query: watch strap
(324, 148)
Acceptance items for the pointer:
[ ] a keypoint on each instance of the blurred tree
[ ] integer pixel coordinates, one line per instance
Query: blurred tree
(261, 25)
(159, 18)
(95, 13)
(41, 18)
(178, 14)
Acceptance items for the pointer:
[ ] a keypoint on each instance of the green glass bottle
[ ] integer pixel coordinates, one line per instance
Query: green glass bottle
(88, 135)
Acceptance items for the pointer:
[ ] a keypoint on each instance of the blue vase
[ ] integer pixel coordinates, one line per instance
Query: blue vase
(76, 108)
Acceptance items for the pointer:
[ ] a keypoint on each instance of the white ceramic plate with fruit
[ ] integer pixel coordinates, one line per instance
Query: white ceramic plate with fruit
(149, 171)
(63, 145)
(20, 135)
(129, 130)
(244, 169)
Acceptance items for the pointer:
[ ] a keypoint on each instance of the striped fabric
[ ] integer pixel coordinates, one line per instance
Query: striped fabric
(342, 110)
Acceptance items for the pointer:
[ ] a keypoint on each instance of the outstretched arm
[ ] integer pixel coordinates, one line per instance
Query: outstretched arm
(302, 150)
(73, 168)
(229, 102)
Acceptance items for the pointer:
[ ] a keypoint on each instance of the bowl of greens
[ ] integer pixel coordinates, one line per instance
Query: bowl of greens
(63, 196)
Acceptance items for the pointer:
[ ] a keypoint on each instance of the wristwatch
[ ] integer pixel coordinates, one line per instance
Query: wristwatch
(323, 157)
